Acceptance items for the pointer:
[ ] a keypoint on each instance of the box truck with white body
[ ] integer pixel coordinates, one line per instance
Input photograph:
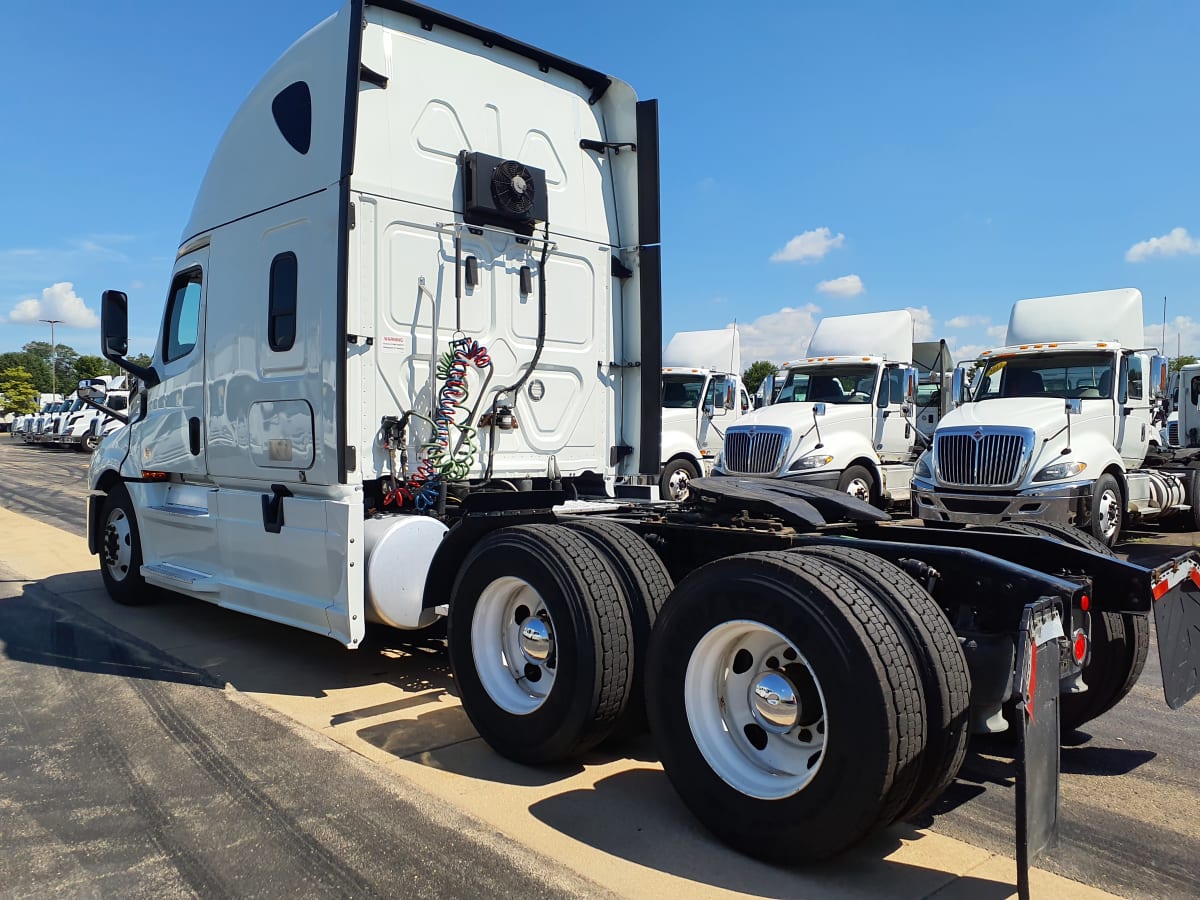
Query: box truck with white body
(846, 416)
(1056, 426)
(410, 344)
(702, 395)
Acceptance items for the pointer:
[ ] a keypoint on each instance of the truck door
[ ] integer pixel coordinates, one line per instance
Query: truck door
(893, 433)
(1133, 410)
(170, 437)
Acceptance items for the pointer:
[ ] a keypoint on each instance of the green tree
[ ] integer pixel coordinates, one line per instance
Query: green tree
(93, 367)
(64, 369)
(758, 371)
(34, 365)
(142, 359)
(17, 392)
(1180, 361)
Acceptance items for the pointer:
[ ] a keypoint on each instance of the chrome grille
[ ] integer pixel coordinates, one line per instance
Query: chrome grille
(755, 451)
(978, 458)
(1173, 433)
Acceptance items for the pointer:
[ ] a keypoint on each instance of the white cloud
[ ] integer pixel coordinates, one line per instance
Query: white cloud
(1174, 243)
(967, 351)
(59, 301)
(967, 321)
(998, 333)
(1183, 336)
(809, 246)
(922, 323)
(778, 336)
(846, 286)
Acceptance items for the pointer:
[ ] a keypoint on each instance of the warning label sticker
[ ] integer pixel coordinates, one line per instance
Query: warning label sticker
(393, 343)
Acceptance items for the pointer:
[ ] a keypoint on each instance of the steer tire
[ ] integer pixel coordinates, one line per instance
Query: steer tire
(862, 476)
(778, 801)
(945, 677)
(591, 660)
(1068, 534)
(121, 550)
(683, 473)
(645, 585)
(1106, 484)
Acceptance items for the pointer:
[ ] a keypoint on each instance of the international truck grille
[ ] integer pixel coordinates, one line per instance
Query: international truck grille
(755, 451)
(1173, 433)
(977, 458)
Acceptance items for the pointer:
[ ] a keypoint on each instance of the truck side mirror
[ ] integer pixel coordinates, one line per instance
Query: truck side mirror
(768, 390)
(818, 409)
(91, 389)
(910, 385)
(1074, 406)
(114, 325)
(729, 397)
(1158, 375)
(958, 386)
(885, 384)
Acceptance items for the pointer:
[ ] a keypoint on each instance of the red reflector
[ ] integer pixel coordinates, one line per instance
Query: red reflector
(1162, 587)
(1080, 647)
(1085, 602)
(1195, 576)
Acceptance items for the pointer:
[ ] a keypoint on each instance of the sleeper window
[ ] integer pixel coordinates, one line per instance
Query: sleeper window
(281, 317)
(183, 316)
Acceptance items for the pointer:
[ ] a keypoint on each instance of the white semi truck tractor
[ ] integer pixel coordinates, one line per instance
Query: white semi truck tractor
(702, 395)
(410, 350)
(847, 415)
(1057, 425)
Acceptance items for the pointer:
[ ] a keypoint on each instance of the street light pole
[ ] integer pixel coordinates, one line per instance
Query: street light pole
(53, 354)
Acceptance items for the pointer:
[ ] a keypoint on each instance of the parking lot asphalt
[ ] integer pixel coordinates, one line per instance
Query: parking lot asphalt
(613, 821)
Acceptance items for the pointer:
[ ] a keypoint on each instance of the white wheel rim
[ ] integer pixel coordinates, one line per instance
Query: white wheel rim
(754, 740)
(677, 484)
(1108, 512)
(859, 488)
(512, 643)
(118, 545)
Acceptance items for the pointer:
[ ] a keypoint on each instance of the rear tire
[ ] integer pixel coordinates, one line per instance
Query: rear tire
(645, 585)
(540, 643)
(945, 677)
(121, 550)
(751, 657)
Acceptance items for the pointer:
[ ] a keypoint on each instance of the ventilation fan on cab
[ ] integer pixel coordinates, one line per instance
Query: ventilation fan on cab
(503, 192)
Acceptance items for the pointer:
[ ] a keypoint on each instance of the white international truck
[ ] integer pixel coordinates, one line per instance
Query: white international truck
(846, 416)
(84, 427)
(702, 395)
(410, 344)
(1056, 426)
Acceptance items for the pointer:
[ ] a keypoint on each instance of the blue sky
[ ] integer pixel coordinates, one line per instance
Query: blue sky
(942, 156)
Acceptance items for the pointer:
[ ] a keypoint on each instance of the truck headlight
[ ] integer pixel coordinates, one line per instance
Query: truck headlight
(1059, 470)
(924, 466)
(812, 461)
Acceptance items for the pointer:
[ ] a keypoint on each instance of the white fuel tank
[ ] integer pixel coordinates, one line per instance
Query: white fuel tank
(400, 550)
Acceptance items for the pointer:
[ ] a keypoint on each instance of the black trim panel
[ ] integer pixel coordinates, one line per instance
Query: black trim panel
(649, 223)
(598, 82)
(650, 371)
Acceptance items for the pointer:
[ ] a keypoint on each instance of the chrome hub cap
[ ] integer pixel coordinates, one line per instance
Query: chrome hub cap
(512, 643)
(860, 489)
(755, 709)
(117, 551)
(1108, 513)
(677, 485)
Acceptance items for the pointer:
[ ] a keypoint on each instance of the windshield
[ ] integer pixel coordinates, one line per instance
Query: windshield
(682, 391)
(829, 384)
(1088, 376)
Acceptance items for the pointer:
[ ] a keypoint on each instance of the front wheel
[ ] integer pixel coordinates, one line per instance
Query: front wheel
(676, 479)
(858, 482)
(1108, 510)
(121, 549)
(89, 443)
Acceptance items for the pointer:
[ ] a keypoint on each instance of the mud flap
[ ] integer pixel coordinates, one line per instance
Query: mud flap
(1176, 590)
(1037, 674)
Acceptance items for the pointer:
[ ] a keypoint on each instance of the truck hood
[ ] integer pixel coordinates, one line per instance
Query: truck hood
(1042, 414)
(799, 416)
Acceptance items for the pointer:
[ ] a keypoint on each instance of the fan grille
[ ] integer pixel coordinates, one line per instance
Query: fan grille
(513, 187)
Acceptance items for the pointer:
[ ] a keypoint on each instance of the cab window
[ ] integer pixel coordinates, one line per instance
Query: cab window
(183, 315)
(1135, 378)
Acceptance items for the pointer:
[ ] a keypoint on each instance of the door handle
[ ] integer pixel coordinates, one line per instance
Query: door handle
(194, 435)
